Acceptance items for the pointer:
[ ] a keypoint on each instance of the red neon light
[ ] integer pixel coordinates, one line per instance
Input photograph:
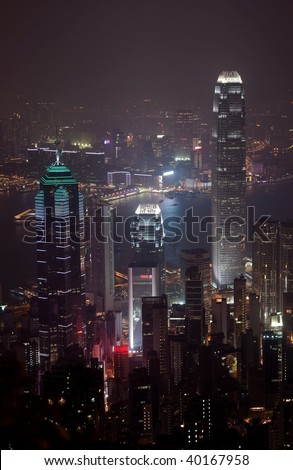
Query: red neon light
(121, 349)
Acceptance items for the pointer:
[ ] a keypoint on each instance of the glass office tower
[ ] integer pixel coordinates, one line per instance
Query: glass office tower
(228, 179)
(60, 263)
(146, 272)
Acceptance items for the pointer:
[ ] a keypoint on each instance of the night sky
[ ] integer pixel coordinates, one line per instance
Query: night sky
(111, 51)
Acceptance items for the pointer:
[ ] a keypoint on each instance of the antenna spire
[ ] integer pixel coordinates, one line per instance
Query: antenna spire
(58, 148)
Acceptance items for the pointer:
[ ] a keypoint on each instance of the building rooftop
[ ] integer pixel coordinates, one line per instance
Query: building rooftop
(57, 175)
(229, 77)
(151, 209)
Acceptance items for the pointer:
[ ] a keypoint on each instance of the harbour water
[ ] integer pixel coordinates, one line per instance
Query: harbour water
(18, 261)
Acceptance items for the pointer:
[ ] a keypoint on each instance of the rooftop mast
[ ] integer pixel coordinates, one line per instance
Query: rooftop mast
(58, 148)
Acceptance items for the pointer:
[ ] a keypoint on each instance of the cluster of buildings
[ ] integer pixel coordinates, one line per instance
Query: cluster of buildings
(204, 372)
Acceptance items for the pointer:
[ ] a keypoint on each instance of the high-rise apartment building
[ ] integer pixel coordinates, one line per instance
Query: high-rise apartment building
(271, 356)
(287, 346)
(143, 405)
(286, 258)
(228, 178)
(60, 262)
(121, 363)
(272, 260)
(265, 262)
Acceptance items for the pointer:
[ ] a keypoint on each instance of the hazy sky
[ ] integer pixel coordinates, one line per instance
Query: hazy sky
(97, 51)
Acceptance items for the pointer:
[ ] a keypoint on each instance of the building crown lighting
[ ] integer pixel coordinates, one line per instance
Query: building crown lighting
(229, 77)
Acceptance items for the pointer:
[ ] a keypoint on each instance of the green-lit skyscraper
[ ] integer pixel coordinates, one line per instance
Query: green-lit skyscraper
(60, 262)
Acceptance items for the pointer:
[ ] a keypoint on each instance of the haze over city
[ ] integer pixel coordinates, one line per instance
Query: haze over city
(114, 51)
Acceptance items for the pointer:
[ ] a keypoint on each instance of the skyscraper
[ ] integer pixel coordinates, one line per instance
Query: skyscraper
(287, 346)
(194, 319)
(155, 329)
(272, 261)
(146, 272)
(265, 274)
(118, 386)
(183, 134)
(228, 177)
(240, 307)
(286, 259)
(99, 259)
(60, 262)
(200, 258)
(271, 355)
(219, 327)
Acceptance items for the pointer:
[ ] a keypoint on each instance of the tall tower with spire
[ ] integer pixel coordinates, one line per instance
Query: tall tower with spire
(60, 261)
(228, 178)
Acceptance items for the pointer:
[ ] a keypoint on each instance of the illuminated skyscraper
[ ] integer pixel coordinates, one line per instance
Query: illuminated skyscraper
(272, 261)
(60, 262)
(265, 278)
(146, 272)
(228, 177)
(286, 258)
(287, 347)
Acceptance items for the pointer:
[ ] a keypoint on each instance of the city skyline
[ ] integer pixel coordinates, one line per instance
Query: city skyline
(146, 243)
(158, 350)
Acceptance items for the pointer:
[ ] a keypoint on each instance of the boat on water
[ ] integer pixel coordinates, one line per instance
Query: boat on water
(24, 215)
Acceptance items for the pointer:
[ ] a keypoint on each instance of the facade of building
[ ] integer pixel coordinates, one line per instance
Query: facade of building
(99, 260)
(287, 346)
(146, 272)
(183, 135)
(219, 327)
(60, 262)
(194, 316)
(143, 281)
(272, 274)
(286, 258)
(155, 330)
(265, 279)
(201, 258)
(228, 178)
(240, 307)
